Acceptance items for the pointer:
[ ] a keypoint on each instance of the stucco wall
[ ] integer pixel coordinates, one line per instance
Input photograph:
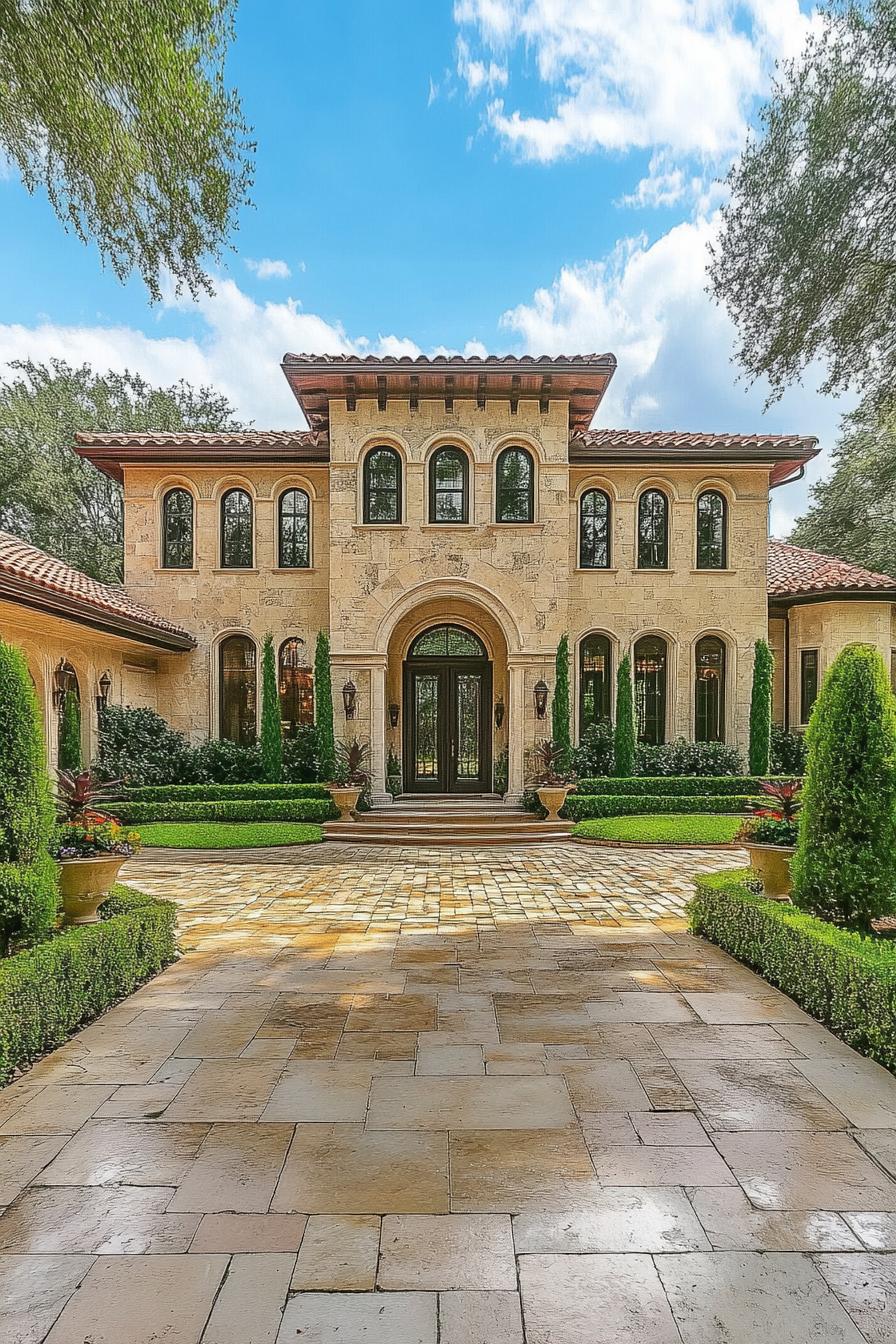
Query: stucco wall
(827, 627)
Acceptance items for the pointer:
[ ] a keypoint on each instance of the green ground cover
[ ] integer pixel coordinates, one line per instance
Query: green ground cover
(699, 828)
(228, 835)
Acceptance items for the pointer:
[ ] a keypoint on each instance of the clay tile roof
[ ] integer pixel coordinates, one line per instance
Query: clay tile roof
(243, 438)
(438, 361)
(647, 439)
(31, 576)
(793, 571)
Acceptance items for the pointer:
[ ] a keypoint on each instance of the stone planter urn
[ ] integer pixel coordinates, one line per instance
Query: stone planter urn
(345, 798)
(85, 883)
(771, 864)
(552, 797)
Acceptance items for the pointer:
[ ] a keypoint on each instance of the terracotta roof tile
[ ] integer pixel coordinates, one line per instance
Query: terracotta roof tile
(793, 571)
(438, 361)
(673, 438)
(244, 438)
(37, 571)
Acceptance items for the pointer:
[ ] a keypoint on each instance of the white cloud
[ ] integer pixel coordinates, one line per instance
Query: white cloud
(269, 268)
(665, 184)
(478, 75)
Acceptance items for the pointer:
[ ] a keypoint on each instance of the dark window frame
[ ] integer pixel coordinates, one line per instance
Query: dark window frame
(436, 491)
(502, 491)
(723, 553)
(661, 559)
(590, 679)
(248, 729)
(585, 563)
(808, 682)
(282, 562)
(304, 692)
(177, 491)
(659, 694)
(702, 727)
(249, 519)
(370, 490)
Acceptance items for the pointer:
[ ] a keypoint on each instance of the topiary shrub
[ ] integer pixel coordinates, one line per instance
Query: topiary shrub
(28, 876)
(595, 756)
(300, 764)
(761, 709)
(69, 753)
(624, 739)
(788, 752)
(271, 728)
(560, 704)
(139, 746)
(323, 709)
(393, 774)
(687, 758)
(844, 868)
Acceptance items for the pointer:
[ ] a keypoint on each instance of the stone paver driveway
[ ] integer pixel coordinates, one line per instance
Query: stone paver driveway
(403, 1097)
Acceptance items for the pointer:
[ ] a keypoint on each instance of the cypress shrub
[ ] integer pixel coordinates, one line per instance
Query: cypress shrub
(560, 704)
(271, 729)
(624, 740)
(844, 868)
(761, 709)
(70, 733)
(323, 709)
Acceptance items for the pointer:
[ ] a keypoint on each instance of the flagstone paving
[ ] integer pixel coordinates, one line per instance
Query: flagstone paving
(413, 1096)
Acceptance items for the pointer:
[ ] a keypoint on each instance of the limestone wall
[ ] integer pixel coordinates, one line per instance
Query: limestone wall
(828, 627)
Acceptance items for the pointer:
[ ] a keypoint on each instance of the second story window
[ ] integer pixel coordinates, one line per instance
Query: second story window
(236, 530)
(515, 487)
(177, 529)
(653, 530)
(594, 530)
(448, 486)
(294, 530)
(382, 486)
(712, 528)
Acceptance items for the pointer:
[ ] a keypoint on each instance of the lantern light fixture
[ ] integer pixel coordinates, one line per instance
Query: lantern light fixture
(350, 699)
(540, 691)
(104, 685)
(499, 713)
(61, 681)
(393, 714)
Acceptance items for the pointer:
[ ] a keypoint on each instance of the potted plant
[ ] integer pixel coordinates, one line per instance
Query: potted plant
(769, 836)
(90, 846)
(351, 777)
(553, 778)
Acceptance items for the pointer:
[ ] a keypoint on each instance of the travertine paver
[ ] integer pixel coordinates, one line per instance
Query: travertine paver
(482, 1096)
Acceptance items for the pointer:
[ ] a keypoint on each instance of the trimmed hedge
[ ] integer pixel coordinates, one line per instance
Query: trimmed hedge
(239, 809)
(52, 989)
(845, 980)
(214, 793)
(581, 807)
(683, 786)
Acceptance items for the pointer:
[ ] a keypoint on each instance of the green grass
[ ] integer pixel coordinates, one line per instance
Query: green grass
(228, 835)
(698, 828)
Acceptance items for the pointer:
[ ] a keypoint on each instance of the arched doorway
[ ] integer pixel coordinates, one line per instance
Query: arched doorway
(447, 692)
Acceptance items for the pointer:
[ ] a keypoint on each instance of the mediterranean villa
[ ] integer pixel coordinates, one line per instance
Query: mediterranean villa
(447, 521)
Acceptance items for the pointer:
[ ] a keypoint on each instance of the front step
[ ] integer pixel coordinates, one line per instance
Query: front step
(451, 821)
(357, 833)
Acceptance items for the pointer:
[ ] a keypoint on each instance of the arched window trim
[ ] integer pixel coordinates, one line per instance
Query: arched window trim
(450, 629)
(227, 495)
(281, 561)
(605, 710)
(711, 493)
(606, 563)
(529, 489)
(435, 491)
(661, 552)
(700, 733)
(249, 729)
(398, 490)
(655, 714)
(166, 500)
(304, 691)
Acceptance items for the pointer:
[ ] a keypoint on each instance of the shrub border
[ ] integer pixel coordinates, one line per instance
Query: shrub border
(592, 807)
(211, 793)
(315, 810)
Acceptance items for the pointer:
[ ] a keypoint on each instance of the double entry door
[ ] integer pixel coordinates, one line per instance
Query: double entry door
(447, 716)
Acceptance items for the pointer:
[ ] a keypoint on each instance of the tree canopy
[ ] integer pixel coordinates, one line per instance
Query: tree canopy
(119, 110)
(51, 496)
(806, 258)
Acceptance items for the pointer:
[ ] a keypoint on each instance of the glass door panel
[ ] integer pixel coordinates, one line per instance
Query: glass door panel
(427, 730)
(467, 726)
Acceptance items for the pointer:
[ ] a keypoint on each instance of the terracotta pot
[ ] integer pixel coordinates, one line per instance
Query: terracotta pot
(553, 798)
(85, 883)
(346, 799)
(771, 864)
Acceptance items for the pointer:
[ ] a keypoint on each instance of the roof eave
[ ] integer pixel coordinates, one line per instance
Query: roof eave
(832, 595)
(26, 593)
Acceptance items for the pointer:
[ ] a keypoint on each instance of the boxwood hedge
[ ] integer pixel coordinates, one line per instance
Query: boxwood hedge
(237, 809)
(845, 980)
(676, 786)
(208, 793)
(50, 990)
(581, 807)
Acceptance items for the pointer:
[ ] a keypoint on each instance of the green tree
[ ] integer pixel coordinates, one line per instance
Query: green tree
(624, 738)
(51, 496)
(560, 703)
(69, 754)
(806, 257)
(323, 709)
(844, 868)
(28, 888)
(761, 708)
(271, 727)
(119, 111)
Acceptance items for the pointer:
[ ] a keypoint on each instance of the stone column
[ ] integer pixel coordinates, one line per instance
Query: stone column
(378, 735)
(516, 733)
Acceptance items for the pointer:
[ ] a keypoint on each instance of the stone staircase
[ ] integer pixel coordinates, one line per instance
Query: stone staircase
(447, 820)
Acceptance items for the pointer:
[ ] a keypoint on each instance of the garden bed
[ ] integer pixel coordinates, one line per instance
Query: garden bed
(228, 835)
(685, 831)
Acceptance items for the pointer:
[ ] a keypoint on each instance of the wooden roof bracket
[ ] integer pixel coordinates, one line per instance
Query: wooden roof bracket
(544, 399)
(415, 391)
(515, 384)
(480, 392)
(381, 391)
(449, 392)
(351, 395)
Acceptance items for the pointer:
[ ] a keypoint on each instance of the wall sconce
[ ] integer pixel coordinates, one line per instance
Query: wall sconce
(349, 699)
(60, 683)
(540, 691)
(499, 713)
(393, 714)
(105, 685)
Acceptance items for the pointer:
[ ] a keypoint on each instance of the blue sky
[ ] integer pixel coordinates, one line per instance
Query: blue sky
(501, 175)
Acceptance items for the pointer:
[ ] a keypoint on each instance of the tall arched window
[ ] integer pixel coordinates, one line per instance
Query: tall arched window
(382, 486)
(515, 487)
(296, 687)
(712, 530)
(594, 530)
(449, 486)
(653, 530)
(595, 672)
(177, 529)
(709, 690)
(294, 530)
(651, 663)
(236, 530)
(237, 689)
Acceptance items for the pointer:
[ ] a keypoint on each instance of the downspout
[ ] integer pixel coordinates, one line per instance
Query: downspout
(790, 480)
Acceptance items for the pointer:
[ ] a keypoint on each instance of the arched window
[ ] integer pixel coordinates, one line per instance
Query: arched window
(712, 530)
(447, 641)
(177, 529)
(294, 530)
(296, 687)
(515, 487)
(448, 486)
(594, 530)
(382, 486)
(651, 661)
(709, 690)
(595, 672)
(236, 530)
(653, 530)
(237, 689)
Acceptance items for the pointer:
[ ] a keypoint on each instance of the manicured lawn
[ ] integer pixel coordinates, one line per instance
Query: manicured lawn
(228, 835)
(698, 828)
